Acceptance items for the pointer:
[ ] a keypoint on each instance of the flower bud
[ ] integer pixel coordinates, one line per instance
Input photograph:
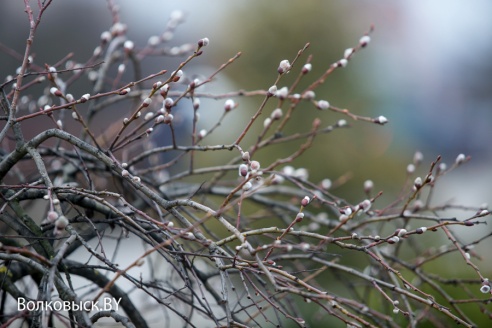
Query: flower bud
(301, 173)
(418, 158)
(245, 156)
(55, 92)
(401, 232)
(284, 66)
(380, 120)
(326, 184)
(128, 45)
(148, 116)
(393, 240)
(159, 119)
(365, 205)
(168, 103)
(485, 288)
(276, 114)
(177, 16)
(117, 28)
(153, 40)
(282, 93)
(364, 41)
(368, 185)
(52, 71)
(196, 103)
(177, 75)
(483, 212)
(299, 217)
(305, 201)
(157, 85)
(124, 91)
(342, 63)
(288, 170)
(168, 118)
(347, 210)
(243, 170)
(272, 91)
(460, 159)
(323, 104)
(306, 68)
(247, 186)
(341, 123)
(343, 217)
(85, 98)
(105, 36)
(348, 52)
(203, 42)
(61, 223)
(229, 105)
(308, 95)
(92, 76)
(164, 90)
(52, 216)
(255, 165)
(167, 36)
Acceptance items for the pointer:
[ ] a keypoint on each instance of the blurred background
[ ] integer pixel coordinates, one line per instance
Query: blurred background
(428, 69)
